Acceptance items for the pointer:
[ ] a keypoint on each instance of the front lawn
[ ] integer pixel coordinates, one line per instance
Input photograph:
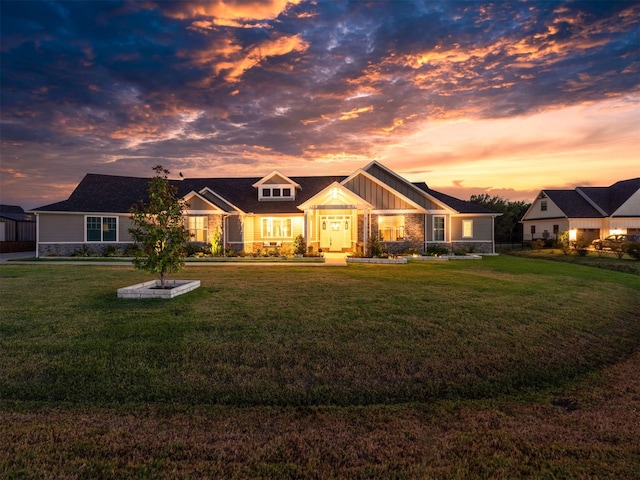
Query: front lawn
(421, 370)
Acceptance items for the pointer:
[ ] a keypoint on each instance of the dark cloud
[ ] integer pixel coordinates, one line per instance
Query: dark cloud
(119, 86)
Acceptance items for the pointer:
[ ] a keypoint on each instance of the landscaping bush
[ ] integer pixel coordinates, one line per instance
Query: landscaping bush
(112, 251)
(537, 244)
(581, 245)
(563, 242)
(437, 250)
(374, 247)
(299, 245)
(194, 249)
(632, 249)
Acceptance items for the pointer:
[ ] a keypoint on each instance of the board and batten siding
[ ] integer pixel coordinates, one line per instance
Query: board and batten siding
(376, 195)
(399, 186)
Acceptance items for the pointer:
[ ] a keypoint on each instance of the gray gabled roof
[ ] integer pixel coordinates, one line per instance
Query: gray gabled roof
(116, 194)
(593, 202)
(460, 206)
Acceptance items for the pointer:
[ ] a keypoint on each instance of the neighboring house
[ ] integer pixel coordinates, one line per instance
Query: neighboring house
(17, 229)
(590, 212)
(332, 213)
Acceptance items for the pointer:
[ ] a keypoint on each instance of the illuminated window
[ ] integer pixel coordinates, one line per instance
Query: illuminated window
(467, 229)
(438, 229)
(101, 229)
(391, 227)
(276, 228)
(276, 192)
(198, 228)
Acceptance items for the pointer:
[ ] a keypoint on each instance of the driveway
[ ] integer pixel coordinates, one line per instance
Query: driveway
(4, 257)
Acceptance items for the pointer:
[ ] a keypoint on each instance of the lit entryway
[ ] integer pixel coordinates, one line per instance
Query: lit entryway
(335, 232)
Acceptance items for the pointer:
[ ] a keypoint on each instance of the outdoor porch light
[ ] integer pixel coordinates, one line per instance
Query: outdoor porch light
(573, 234)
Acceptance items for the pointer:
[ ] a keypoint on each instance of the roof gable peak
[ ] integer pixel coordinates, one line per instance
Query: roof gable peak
(279, 178)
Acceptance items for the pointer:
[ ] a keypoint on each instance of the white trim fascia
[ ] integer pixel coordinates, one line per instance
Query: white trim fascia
(591, 202)
(386, 187)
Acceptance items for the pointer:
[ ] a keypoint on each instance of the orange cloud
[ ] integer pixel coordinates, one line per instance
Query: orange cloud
(235, 13)
(255, 56)
(355, 113)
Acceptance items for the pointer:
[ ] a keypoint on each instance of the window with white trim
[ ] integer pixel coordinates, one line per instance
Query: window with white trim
(438, 229)
(391, 227)
(276, 227)
(276, 192)
(101, 229)
(467, 229)
(198, 227)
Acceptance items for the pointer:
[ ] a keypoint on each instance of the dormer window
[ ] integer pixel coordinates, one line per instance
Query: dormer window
(276, 186)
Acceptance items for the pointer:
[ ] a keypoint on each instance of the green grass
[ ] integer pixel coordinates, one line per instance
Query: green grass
(300, 372)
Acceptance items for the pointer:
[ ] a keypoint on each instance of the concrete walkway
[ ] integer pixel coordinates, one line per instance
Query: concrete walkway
(330, 260)
(5, 257)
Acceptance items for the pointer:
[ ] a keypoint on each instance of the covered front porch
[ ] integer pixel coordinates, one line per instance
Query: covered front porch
(336, 220)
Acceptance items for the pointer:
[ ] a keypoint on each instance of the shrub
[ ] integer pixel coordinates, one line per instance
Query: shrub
(537, 244)
(581, 245)
(437, 250)
(112, 251)
(299, 245)
(216, 243)
(133, 250)
(84, 251)
(374, 247)
(632, 249)
(563, 242)
(193, 249)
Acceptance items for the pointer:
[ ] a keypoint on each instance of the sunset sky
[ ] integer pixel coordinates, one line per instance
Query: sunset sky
(470, 97)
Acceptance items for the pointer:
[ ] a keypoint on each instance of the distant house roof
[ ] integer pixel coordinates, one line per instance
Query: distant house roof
(14, 212)
(593, 202)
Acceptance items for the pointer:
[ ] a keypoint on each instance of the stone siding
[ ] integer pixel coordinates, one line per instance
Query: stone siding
(71, 249)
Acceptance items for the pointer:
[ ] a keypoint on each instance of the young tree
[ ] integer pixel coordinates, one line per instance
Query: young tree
(159, 228)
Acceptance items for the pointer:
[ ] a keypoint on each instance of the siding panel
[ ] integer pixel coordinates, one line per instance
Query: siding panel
(61, 228)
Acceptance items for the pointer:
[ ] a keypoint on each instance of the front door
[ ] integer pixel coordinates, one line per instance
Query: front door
(335, 234)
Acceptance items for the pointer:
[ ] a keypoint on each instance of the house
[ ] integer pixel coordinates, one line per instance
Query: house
(17, 230)
(332, 213)
(590, 212)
